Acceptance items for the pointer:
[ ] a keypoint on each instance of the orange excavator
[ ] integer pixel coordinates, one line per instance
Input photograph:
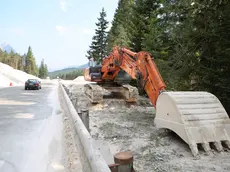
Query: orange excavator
(197, 117)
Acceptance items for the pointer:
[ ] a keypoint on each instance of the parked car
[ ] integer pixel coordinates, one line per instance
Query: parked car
(33, 84)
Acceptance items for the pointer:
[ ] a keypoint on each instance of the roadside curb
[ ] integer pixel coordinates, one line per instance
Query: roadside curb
(91, 157)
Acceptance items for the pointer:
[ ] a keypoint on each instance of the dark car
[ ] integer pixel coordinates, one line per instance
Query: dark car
(32, 84)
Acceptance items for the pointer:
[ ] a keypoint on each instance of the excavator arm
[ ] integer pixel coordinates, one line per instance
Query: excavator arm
(197, 117)
(139, 66)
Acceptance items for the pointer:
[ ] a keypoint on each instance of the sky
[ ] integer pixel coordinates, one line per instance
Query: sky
(58, 31)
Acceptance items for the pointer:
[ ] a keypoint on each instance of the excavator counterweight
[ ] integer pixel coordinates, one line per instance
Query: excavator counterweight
(197, 117)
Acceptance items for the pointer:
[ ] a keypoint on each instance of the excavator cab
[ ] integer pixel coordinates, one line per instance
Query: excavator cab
(93, 72)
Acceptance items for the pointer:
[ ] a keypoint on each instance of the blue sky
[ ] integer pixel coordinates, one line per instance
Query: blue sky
(60, 31)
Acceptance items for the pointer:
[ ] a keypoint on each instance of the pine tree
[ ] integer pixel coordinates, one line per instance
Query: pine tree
(119, 34)
(21, 63)
(211, 20)
(122, 37)
(46, 71)
(89, 54)
(30, 63)
(193, 36)
(99, 40)
(141, 18)
(43, 70)
(1, 53)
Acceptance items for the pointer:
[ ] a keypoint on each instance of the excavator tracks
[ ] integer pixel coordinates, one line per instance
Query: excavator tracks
(197, 117)
(96, 92)
(131, 93)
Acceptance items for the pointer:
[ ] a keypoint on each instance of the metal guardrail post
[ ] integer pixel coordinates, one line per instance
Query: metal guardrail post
(79, 113)
(125, 161)
(84, 115)
(85, 118)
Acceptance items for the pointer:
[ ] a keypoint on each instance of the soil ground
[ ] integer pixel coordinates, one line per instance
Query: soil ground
(131, 128)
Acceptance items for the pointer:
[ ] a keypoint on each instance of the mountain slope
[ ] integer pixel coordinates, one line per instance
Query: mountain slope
(62, 71)
(7, 47)
(83, 66)
(67, 70)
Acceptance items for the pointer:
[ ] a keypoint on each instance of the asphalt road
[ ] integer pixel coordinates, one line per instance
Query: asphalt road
(30, 130)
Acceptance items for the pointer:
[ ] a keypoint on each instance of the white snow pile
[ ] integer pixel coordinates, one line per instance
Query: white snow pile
(10, 75)
(79, 79)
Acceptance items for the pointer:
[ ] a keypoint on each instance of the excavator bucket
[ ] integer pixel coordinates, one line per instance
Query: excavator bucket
(197, 117)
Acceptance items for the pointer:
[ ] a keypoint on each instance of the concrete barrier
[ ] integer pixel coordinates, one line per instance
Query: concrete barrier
(91, 158)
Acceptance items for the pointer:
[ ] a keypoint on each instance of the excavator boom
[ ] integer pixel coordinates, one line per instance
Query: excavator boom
(197, 117)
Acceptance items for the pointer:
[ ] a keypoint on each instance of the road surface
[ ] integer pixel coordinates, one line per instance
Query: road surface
(30, 130)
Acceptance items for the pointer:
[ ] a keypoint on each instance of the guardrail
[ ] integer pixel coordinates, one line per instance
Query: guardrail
(91, 158)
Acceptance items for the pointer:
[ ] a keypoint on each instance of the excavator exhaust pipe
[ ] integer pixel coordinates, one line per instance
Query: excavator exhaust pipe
(197, 117)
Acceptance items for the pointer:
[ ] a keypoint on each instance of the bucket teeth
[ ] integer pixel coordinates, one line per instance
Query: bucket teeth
(206, 147)
(227, 143)
(194, 149)
(218, 146)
